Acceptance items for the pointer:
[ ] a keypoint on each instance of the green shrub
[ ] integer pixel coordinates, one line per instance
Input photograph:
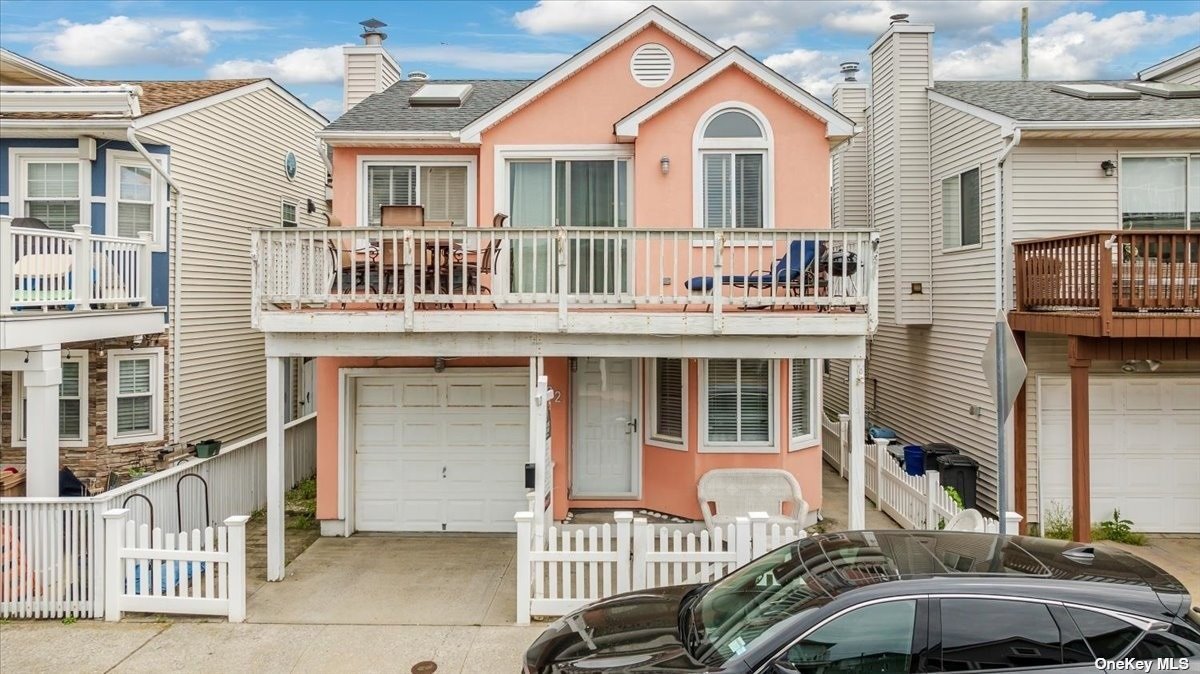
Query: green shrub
(1056, 523)
(1117, 530)
(956, 497)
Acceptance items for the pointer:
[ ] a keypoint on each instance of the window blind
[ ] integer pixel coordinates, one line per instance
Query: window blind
(716, 190)
(390, 186)
(52, 193)
(969, 207)
(749, 190)
(668, 404)
(801, 397)
(444, 193)
(739, 400)
(134, 218)
(70, 424)
(134, 397)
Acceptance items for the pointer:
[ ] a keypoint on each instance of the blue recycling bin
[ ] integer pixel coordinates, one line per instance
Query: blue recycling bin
(914, 459)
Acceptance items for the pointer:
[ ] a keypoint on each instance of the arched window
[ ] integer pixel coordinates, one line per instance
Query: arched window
(732, 150)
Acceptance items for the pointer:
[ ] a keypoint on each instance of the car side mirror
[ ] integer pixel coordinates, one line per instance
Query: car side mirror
(782, 666)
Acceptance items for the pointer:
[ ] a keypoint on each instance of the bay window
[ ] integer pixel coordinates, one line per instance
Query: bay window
(733, 183)
(443, 189)
(737, 403)
(1160, 192)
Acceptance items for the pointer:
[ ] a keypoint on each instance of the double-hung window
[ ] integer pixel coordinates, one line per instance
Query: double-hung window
(803, 402)
(287, 214)
(1160, 192)
(72, 402)
(442, 189)
(136, 198)
(51, 190)
(733, 176)
(737, 404)
(668, 402)
(960, 210)
(135, 403)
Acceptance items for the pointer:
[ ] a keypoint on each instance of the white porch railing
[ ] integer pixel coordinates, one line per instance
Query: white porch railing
(196, 572)
(562, 268)
(54, 547)
(51, 270)
(564, 570)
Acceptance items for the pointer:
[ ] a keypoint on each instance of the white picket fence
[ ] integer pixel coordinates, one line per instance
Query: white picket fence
(196, 572)
(53, 562)
(560, 570)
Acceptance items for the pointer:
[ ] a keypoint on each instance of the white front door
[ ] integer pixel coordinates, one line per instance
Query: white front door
(441, 451)
(605, 462)
(1145, 449)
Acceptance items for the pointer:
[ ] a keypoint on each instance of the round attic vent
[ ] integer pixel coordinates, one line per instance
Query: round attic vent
(652, 65)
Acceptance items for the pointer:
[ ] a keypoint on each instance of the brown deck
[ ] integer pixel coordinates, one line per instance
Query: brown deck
(1115, 324)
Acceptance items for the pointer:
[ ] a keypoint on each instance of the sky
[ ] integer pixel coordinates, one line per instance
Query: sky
(298, 43)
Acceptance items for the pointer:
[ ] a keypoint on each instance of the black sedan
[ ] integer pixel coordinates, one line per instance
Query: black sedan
(892, 601)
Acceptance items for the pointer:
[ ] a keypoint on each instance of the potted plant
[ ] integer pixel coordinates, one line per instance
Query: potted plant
(207, 448)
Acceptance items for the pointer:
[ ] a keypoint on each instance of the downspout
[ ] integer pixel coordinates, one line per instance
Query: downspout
(176, 272)
(1001, 234)
(1003, 436)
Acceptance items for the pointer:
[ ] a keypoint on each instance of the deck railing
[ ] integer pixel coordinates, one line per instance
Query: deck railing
(1110, 271)
(45, 270)
(561, 267)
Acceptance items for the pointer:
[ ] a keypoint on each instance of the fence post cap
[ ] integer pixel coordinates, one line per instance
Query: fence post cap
(237, 520)
(115, 513)
(882, 442)
(741, 519)
(146, 236)
(524, 516)
(758, 515)
(82, 229)
(623, 516)
(844, 416)
(640, 521)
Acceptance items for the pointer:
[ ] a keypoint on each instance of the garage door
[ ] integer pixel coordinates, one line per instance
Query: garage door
(1145, 449)
(441, 452)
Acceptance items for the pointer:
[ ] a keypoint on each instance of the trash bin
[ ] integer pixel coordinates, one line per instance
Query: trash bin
(935, 449)
(959, 472)
(914, 460)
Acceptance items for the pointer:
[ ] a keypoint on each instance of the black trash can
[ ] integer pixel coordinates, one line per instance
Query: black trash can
(935, 449)
(959, 472)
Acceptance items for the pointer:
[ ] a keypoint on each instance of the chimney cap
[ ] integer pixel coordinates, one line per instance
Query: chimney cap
(418, 76)
(850, 70)
(372, 25)
(899, 18)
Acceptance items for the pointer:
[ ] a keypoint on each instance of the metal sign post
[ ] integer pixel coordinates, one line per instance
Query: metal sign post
(1005, 372)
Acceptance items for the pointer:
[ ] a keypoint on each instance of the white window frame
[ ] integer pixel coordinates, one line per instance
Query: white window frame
(283, 203)
(958, 174)
(20, 157)
(16, 422)
(769, 446)
(158, 189)
(115, 356)
(798, 442)
(702, 146)
(506, 154)
(418, 161)
(1186, 154)
(651, 398)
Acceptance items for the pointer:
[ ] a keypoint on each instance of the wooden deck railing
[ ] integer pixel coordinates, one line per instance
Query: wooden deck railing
(1110, 271)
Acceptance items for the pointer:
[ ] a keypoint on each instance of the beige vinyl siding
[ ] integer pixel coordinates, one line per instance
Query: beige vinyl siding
(228, 159)
(1047, 355)
(1189, 74)
(849, 193)
(367, 71)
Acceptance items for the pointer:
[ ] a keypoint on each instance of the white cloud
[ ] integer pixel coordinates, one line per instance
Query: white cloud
(310, 65)
(816, 72)
(419, 57)
(951, 16)
(121, 40)
(1074, 46)
(330, 107)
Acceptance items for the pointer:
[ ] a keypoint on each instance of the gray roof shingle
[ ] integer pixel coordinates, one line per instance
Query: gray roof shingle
(389, 110)
(1036, 101)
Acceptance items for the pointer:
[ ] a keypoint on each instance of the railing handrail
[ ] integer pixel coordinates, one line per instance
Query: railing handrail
(529, 230)
(1105, 233)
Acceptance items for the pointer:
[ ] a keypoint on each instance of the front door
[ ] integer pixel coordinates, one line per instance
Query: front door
(604, 458)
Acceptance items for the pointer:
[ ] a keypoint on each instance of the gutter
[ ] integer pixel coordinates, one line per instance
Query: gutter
(176, 272)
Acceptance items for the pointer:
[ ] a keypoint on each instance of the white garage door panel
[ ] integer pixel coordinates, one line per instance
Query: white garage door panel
(1145, 447)
(441, 455)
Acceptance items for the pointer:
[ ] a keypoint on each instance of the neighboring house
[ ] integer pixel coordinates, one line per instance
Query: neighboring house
(623, 177)
(1071, 174)
(140, 341)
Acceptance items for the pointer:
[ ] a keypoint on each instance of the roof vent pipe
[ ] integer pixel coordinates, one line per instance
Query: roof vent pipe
(898, 18)
(850, 71)
(371, 34)
(418, 76)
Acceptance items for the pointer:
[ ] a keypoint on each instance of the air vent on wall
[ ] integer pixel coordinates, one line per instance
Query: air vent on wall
(652, 65)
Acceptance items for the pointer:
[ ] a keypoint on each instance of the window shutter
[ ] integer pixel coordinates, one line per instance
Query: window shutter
(801, 397)
(749, 190)
(134, 376)
(716, 190)
(133, 414)
(755, 400)
(668, 410)
(723, 400)
(951, 217)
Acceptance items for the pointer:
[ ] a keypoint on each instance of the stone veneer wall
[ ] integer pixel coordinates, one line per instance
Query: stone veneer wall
(93, 463)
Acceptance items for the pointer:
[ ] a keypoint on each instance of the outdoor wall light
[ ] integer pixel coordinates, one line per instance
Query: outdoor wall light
(665, 164)
(1109, 167)
(439, 364)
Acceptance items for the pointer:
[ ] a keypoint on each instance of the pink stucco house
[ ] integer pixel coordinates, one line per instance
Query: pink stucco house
(646, 226)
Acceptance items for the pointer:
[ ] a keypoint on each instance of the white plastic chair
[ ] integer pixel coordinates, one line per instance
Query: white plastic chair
(967, 520)
(737, 492)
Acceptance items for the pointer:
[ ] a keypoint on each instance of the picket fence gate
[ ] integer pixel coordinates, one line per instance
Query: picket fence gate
(194, 573)
(560, 570)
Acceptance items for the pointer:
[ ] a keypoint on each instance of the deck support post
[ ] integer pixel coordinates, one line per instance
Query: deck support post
(41, 382)
(1020, 469)
(858, 431)
(1081, 474)
(276, 467)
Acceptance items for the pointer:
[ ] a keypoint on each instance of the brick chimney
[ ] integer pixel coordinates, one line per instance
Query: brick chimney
(369, 68)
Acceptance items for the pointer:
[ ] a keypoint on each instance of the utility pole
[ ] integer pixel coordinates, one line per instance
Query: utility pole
(1024, 44)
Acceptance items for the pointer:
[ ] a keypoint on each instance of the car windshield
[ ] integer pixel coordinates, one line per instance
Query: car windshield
(745, 605)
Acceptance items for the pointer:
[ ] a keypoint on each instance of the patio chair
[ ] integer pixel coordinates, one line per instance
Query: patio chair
(402, 216)
(737, 492)
(967, 520)
(795, 272)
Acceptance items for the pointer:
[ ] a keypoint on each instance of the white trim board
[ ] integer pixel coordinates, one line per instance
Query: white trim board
(650, 16)
(1170, 65)
(837, 125)
(38, 69)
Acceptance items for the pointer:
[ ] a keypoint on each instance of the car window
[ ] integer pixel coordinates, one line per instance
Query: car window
(875, 638)
(1157, 645)
(1107, 636)
(995, 634)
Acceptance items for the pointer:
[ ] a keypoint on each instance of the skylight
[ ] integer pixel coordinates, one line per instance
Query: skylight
(1165, 89)
(1096, 92)
(451, 95)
